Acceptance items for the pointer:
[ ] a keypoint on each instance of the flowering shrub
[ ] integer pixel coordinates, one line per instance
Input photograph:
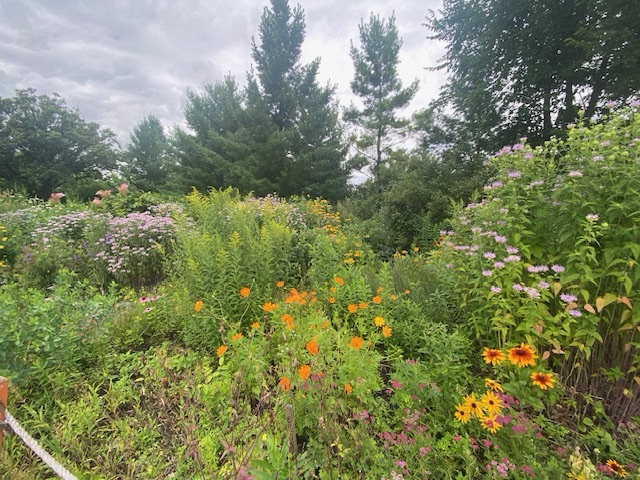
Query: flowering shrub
(550, 256)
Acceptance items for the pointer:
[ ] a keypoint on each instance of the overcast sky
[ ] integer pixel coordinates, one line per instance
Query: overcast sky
(120, 60)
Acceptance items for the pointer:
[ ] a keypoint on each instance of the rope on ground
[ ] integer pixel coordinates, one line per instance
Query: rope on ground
(30, 442)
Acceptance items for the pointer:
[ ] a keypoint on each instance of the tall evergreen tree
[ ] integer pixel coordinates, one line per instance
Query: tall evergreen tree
(303, 149)
(377, 83)
(527, 68)
(148, 163)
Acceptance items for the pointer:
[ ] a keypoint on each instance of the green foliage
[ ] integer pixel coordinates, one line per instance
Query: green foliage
(45, 146)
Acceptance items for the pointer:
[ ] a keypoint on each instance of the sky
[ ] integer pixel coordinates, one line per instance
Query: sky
(118, 61)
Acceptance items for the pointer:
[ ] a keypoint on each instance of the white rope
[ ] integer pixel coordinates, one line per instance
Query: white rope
(37, 449)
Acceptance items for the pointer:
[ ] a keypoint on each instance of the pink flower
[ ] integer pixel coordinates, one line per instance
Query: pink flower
(123, 188)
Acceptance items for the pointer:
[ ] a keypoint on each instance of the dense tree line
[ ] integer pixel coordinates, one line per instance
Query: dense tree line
(513, 68)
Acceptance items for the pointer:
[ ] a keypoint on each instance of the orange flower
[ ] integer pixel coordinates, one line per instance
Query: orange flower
(285, 384)
(312, 346)
(493, 356)
(616, 468)
(380, 290)
(304, 371)
(221, 350)
(347, 388)
(543, 380)
(236, 337)
(386, 331)
(288, 319)
(522, 356)
(356, 342)
(379, 321)
(332, 300)
(377, 299)
(363, 305)
(255, 325)
(279, 284)
(325, 324)
(353, 308)
(339, 281)
(407, 291)
(332, 289)
(198, 305)
(393, 297)
(269, 307)
(244, 292)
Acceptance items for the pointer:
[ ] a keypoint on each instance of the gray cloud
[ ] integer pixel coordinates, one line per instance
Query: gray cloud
(119, 60)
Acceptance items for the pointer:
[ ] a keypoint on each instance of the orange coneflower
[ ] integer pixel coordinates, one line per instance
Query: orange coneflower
(244, 292)
(493, 356)
(492, 404)
(269, 307)
(616, 468)
(312, 346)
(198, 305)
(522, 356)
(473, 405)
(493, 385)
(304, 371)
(356, 342)
(352, 308)
(543, 380)
(490, 423)
(462, 413)
(386, 331)
(221, 350)
(285, 384)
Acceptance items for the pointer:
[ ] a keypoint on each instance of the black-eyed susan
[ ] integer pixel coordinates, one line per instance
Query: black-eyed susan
(462, 414)
(493, 385)
(490, 423)
(616, 468)
(493, 356)
(473, 405)
(522, 356)
(491, 403)
(543, 380)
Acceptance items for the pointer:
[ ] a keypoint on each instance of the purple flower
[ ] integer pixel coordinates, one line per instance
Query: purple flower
(498, 264)
(495, 289)
(517, 287)
(500, 239)
(515, 174)
(592, 217)
(557, 268)
(597, 158)
(565, 297)
(575, 173)
(575, 313)
(512, 250)
(543, 285)
(487, 273)
(489, 255)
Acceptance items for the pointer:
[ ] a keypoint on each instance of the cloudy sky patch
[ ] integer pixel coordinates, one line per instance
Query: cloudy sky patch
(120, 60)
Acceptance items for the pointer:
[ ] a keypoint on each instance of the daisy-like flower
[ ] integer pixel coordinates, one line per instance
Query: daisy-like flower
(474, 406)
(198, 305)
(386, 331)
(462, 414)
(493, 385)
(352, 308)
(244, 292)
(356, 343)
(285, 384)
(339, 281)
(236, 337)
(493, 356)
(377, 299)
(347, 388)
(304, 371)
(255, 325)
(221, 350)
(522, 356)
(269, 307)
(279, 284)
(490, 423)
(543, 380)
(288, 319)
(616, 468)
(379, 321)
(492, 404)
(312, 346)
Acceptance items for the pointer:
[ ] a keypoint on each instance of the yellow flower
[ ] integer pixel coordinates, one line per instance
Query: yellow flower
(492, 404)
(616, 468)
(462, 413)
(493, 356)
(489, 423)
(352, 308)
(380, 290)
(522, 356)
(269, 307)
(356, 342)
(543, 380)
(363, 305)
(198, 305)
(221, 350)
(304, 371)
(386, 331)
(379, 321)
(473, 405)
(493, 385)
(236, 337)
(244, 292)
